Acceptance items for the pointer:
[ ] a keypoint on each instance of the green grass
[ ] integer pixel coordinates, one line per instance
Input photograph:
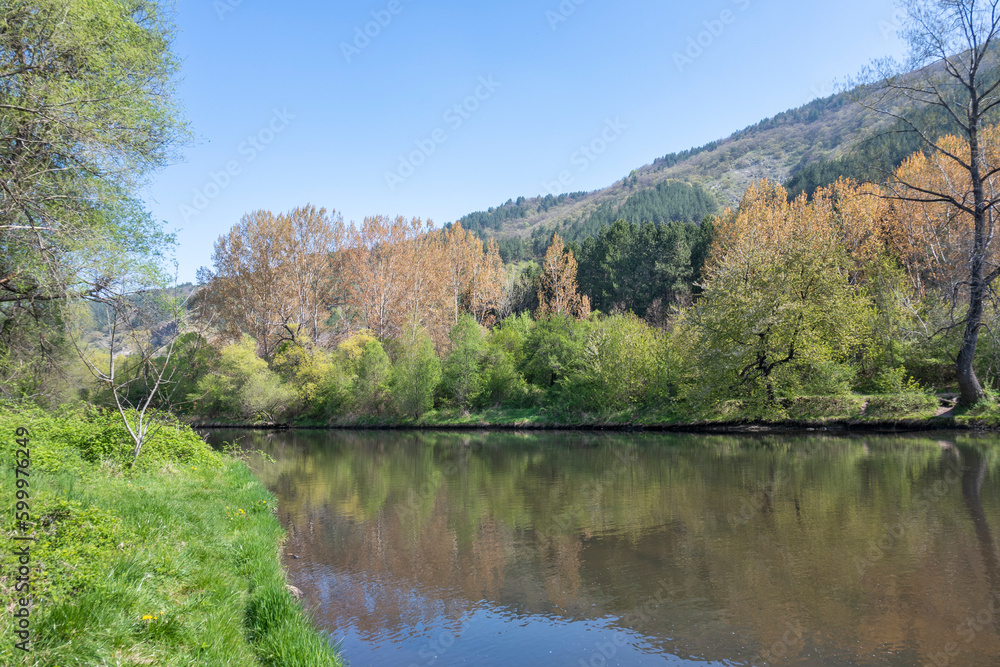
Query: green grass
(985, 414)
(817, 408)
(806, 410)
(174, 562)
(913, 405)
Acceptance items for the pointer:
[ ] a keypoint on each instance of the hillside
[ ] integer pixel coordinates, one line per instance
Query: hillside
(817, 137)
(803, 148)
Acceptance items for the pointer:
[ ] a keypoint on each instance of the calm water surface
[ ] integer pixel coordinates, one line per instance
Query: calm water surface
(420, 549)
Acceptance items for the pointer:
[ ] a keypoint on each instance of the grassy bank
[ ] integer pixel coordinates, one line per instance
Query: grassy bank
(913, 410)
(173, 562)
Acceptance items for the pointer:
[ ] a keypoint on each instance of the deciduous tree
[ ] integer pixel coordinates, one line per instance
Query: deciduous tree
(275, 276)
(463, 368)
(376, 267)
(557, 288)
(85, 115)
(953, 68)
(778, 299)
(415, 375)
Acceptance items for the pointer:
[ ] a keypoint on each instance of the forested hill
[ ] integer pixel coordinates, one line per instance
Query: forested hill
(803, 148)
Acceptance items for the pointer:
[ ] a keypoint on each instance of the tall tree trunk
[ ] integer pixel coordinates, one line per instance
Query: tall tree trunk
(969, 387)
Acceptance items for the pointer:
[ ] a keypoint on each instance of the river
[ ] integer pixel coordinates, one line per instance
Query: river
(433, 549)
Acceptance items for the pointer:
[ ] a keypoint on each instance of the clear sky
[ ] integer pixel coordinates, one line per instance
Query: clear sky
(437, 108)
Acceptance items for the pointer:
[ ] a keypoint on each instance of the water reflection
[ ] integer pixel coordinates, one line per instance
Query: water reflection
(440, 549)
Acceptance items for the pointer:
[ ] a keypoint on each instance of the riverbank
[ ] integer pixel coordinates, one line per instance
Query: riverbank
(172, 562)
(901, 412)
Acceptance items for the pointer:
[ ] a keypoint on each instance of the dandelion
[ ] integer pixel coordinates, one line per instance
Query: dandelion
(147, 617)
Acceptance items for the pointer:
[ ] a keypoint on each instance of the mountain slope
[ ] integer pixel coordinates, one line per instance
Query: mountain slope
(777, 148)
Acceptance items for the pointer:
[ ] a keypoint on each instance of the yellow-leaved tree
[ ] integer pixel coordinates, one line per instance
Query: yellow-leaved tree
(780, 312)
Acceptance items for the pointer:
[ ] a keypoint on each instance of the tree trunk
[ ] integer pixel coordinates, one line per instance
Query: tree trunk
(969, 387)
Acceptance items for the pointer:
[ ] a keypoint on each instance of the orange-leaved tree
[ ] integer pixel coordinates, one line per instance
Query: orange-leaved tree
(274, 276)
(376, 266)
(935, 238)
(952, 74)
(558, 293)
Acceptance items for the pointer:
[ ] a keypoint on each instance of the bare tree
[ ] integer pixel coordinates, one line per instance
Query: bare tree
(139, 365)
(951, 73)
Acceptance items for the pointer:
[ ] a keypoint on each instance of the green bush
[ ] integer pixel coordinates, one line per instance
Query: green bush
(553, 349)
(372, 383)
(98, 436)
(463, 367)
(334, 391)
(415, 376)
(621, 366)
(502, 383)
(242, 386)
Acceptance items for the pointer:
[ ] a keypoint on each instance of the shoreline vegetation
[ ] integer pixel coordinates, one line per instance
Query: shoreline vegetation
(902, 412)
(169, 559)
(809, 312)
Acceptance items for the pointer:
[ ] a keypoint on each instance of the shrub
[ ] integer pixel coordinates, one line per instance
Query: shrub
(553, 349)
(463, 368)
(620, 368)
(98, 436)
(502, 383)
(371, 386)
(415, 376)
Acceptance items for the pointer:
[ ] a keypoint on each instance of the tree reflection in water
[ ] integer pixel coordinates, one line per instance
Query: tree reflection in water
(869, 550)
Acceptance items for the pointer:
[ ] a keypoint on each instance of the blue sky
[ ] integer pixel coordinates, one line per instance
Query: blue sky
(437, 109)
